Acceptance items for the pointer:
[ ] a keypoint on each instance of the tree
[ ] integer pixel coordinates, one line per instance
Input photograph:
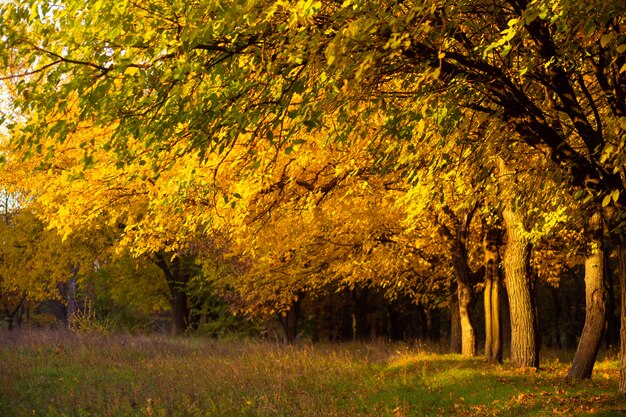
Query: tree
(595, 302)
(516, 262)
(35, 262)
(492, 240)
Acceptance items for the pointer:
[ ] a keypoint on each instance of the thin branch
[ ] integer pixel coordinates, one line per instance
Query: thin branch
(33, 72)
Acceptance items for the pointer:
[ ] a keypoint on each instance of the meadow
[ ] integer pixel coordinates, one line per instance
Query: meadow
(46, 373)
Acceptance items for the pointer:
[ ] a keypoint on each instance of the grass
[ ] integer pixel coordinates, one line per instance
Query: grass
(60, 374)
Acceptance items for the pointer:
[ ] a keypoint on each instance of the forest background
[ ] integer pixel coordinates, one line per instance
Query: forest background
(348, 170)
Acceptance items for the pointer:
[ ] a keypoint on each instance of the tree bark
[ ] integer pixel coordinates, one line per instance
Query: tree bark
(522, 302)
(493, 328)
(524, 348)
(595, 303)
(468, 338)
(180, 309)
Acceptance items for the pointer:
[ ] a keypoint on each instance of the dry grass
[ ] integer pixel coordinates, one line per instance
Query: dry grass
(61, 374)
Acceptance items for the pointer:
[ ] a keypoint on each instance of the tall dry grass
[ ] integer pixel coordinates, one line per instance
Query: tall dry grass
(51, 373)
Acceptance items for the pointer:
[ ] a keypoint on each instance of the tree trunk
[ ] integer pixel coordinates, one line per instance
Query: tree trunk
(611, 336)
(456, 239)
(522, 313)
(19, 317)
(595, 307)
(621, 258)
(180, 309)
(524, 348)
(177, 278)
(468, 338)
(496, 316)
(289, 320)
(432, 329)
(493, 328)
(465, 298)
(10, 314)
(455, 322)
(70, 298)
(505, 313)
(488, 324)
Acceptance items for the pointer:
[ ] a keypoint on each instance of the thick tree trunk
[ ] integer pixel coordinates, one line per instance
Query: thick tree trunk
(522, 312)
(621, 258)
(493, 328)
(177, 277)
(595, 308)
(524, 347)
(180, 309)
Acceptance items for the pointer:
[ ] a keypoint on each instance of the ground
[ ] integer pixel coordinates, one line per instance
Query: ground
(44, 373)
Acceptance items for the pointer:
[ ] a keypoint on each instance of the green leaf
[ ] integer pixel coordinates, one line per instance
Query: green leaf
(606, 200)
(88, 161)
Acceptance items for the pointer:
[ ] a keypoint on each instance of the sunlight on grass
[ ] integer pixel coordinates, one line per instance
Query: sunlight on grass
(53, 374)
